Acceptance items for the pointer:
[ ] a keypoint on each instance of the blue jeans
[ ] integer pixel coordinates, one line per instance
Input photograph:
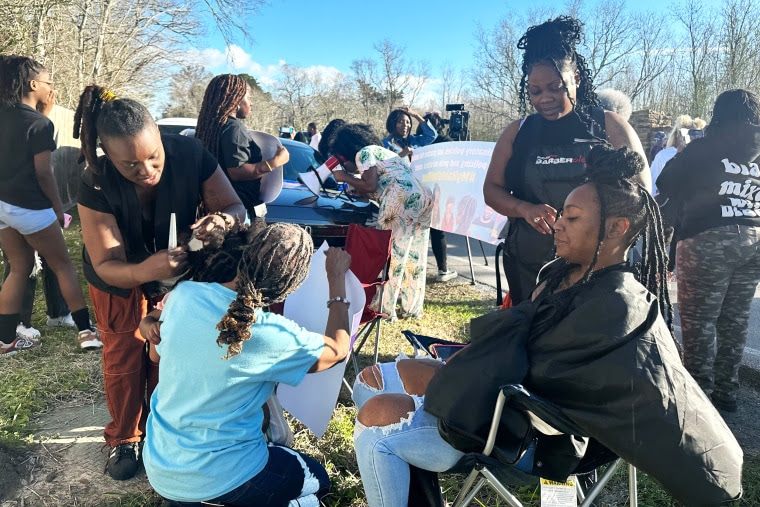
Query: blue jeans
(289, 478)
(385, 453)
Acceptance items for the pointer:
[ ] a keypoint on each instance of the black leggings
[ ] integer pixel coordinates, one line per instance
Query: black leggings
(438, 242)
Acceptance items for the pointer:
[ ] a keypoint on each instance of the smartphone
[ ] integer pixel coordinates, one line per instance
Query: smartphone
(66, 220)
(444, 350)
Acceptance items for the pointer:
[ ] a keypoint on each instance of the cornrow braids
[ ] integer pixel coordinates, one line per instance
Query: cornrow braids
(15, 74)
(273, 265)
(553, 42)
(102, 115)
(223, 94)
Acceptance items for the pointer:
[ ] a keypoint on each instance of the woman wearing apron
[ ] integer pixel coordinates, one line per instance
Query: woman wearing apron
(539, 159)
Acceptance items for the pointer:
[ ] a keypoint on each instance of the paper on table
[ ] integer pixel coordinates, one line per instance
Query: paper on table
(271, 183)
(312, 401)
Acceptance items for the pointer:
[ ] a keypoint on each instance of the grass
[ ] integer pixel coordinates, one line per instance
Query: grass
(38, 380)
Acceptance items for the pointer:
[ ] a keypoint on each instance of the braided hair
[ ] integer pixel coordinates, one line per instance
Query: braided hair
(553, 42)
(612, 173)
(15, 74)
(273, 265)
(220, 101)
(100, 114)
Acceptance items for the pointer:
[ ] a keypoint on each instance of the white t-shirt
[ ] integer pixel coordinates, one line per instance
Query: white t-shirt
(314, 143)
(662, 158)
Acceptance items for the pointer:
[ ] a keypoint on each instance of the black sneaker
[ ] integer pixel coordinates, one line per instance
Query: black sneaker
(724, 403)
(122, 461)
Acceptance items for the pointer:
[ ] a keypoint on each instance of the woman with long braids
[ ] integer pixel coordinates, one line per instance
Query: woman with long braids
(591, 339)
(714, 181)
(226, 102)
(126, 200)
(31, 215)
(539, 159)
(205, 440)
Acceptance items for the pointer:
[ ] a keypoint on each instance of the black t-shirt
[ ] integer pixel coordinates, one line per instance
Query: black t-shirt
(187, 166)
(715, 185)
(235, 149)
(24, 133)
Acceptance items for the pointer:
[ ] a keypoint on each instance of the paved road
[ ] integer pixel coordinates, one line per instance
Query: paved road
(485, 274)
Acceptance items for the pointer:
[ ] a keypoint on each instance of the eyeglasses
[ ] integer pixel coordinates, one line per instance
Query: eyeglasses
(49, 83)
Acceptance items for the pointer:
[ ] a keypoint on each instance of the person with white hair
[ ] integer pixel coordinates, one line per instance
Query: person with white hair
(677, 141)
(615, 101)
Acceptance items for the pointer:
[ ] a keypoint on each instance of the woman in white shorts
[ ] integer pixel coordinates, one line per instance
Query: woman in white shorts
(31, 216)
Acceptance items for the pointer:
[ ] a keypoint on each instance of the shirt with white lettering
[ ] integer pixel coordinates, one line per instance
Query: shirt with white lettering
(715, 186)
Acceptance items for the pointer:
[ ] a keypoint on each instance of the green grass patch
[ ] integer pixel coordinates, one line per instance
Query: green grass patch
(35, 381)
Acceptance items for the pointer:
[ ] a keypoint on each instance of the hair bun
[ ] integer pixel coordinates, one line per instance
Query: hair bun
(558, 31)
(605, 164)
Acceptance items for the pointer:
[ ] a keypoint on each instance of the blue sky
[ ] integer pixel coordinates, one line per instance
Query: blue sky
(329, 34)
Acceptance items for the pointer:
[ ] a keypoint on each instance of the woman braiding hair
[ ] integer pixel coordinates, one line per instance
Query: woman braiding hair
(127, 198)
(273, 266)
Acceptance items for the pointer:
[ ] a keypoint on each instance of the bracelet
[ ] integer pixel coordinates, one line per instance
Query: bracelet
(268, 166)
(337, 299)
(225, 216)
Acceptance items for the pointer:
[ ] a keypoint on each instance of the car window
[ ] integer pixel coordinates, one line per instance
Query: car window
(172, 129)
(302, 157)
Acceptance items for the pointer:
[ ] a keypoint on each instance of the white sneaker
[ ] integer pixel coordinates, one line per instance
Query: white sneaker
(89, 339)
(29, 333)
(445, 276)
(65, 321)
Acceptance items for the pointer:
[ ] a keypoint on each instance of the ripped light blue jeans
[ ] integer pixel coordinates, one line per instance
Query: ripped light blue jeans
(384, 453)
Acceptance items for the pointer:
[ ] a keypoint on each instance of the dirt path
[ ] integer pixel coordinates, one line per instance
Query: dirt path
(66, 467)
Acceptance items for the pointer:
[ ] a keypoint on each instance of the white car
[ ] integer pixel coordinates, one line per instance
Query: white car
(175, 125)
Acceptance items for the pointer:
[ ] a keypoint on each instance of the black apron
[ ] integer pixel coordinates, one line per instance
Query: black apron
(548, 172)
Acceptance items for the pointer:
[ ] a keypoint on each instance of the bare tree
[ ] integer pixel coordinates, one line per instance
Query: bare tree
(739, 44)
(187, 87)
(700, 44)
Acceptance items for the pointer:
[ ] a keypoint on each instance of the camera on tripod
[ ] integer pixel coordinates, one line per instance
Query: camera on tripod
(459, 129)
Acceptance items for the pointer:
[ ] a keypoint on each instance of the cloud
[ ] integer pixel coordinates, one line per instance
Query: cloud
(237, 60)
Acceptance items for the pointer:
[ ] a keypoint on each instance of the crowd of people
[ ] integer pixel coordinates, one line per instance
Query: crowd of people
(572, 177)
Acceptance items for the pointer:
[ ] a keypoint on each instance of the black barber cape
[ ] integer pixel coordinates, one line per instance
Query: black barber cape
(606, 358)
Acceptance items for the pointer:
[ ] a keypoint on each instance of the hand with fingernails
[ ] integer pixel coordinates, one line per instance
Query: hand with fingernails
(540, 216)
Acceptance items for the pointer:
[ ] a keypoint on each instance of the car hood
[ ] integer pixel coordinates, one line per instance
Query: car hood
(296, 204)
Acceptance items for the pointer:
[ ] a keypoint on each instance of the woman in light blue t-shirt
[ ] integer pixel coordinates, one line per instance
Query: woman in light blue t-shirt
(204, 438)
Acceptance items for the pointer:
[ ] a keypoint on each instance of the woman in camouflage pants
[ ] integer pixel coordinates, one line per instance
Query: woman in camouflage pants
(717, 181)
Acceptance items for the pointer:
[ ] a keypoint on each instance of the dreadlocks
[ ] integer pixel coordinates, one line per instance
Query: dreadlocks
(100, 114)
(15, 74)
(611, 172)
(223, 94)
(274, 264)
(553, 43)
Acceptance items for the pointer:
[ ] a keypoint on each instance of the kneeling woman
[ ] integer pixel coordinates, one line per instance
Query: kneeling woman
(592, 339)
(205, 440)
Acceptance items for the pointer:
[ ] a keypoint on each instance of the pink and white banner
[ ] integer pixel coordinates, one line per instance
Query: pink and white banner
(455, 172)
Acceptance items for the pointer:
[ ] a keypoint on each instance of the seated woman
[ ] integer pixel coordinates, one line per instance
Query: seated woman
(204, 439)
(405, 208)
(594, 342)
